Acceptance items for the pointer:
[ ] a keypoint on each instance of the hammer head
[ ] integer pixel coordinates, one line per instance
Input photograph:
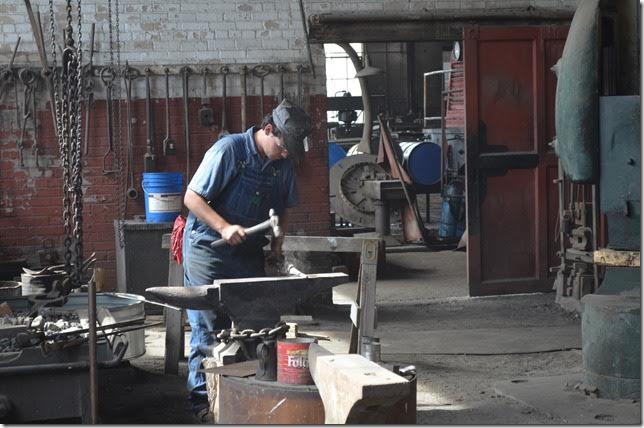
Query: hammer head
(276, 230)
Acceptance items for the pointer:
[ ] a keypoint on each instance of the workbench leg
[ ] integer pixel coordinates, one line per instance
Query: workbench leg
(367, 289)
(174, 339)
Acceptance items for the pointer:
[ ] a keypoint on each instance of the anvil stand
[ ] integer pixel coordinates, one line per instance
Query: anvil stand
(363, 311)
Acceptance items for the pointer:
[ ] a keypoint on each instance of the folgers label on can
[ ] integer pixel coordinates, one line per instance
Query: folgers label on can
(293, 361)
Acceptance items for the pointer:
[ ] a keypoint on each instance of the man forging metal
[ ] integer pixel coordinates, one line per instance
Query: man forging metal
(240, 179)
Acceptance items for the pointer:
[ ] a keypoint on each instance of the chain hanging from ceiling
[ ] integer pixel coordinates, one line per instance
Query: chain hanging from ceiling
(113, 9)
(67, 83)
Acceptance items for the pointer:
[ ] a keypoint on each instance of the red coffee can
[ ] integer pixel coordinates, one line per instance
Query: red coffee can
(293, 361)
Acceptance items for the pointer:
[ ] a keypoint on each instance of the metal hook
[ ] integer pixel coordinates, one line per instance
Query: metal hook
(261, 70)
(27, 76)
(107, 76)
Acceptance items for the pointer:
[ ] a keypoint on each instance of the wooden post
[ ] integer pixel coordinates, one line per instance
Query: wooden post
(174, 320)
(367, 289)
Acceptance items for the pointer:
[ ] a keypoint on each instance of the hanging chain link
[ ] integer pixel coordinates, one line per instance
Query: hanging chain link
(64, 145)
(55, 73)
(68, 91)
(77, 173)
(119, 148)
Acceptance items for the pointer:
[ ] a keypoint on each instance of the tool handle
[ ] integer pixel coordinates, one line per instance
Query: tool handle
(249, 231)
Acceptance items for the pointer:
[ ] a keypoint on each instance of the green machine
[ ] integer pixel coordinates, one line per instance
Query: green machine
(598, 142)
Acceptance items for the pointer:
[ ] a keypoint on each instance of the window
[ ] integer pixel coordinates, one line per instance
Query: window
(340, 74)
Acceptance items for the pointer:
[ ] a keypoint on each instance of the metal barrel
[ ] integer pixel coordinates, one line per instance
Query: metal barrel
(422, 161)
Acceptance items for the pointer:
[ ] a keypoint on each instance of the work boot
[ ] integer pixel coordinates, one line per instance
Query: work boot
(202, 413)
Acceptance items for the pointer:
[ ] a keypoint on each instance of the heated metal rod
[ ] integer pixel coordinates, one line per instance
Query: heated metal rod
(93, 374)
(117, 327)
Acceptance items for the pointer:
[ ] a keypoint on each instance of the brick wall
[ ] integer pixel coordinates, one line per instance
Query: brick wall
(192, 32)
(31, 205)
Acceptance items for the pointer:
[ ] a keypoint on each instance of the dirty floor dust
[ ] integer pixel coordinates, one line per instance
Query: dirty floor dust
(452, 388)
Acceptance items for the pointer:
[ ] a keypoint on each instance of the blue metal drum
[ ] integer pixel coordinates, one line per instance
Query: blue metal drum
(422, 161)
(335, 153)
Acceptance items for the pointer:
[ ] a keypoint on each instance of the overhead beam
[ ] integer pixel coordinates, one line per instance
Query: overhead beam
(431, 25)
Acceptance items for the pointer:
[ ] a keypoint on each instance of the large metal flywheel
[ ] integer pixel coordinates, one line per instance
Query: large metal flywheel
(346, 181)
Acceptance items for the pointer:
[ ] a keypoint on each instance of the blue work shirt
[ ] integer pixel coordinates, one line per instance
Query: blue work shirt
(241, 186)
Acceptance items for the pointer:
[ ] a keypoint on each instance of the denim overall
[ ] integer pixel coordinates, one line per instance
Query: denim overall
(252, 188)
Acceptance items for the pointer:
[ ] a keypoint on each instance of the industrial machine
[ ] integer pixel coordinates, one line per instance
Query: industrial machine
(450, 136)
(598, 143)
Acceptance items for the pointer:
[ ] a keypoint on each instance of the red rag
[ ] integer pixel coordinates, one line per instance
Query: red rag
(177, 238)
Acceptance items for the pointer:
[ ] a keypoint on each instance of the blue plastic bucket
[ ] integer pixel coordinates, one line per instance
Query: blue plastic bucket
(452, 224)
(336, 153)
(422, 161)
(163, 192)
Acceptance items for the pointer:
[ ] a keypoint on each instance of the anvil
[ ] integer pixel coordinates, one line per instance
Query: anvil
(250, 302)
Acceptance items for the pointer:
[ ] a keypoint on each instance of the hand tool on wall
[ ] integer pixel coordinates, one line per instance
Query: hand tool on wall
(42, 55)
(299, 85)
(35, 150)
(242, 75)
(261, 71)
(107, 77)
(206, 115)
(149, 159)
(7, 77)
(281, 70)
(185, 71)
(40, 32)
(28, 79)
(128, 75)
(271, 224)
(224, 127)
(89, 89)
(168, 142)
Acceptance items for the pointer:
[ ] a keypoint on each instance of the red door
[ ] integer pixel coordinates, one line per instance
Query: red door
(509, 121)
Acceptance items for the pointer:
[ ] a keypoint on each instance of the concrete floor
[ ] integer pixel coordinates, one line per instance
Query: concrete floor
(492, 360)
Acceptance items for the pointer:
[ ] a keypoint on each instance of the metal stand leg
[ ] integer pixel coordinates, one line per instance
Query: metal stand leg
(382, 223)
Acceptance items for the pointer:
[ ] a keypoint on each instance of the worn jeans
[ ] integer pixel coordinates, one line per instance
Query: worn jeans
(202, 265)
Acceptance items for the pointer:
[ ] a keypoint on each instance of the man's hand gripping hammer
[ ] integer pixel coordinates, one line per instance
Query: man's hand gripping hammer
(271, 224)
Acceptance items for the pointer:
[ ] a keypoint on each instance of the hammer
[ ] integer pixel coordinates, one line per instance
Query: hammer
(271, 224)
